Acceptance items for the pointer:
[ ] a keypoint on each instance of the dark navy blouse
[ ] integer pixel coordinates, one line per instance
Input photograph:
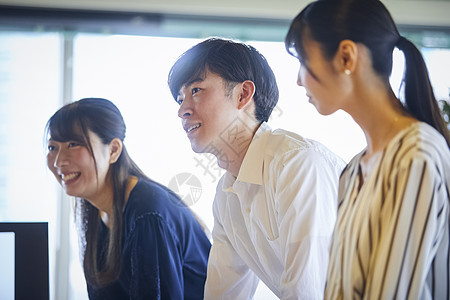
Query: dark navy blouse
(165, 250)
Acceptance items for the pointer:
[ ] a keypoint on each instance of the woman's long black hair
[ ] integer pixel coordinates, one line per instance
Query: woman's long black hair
(368, 22)
(72, 123)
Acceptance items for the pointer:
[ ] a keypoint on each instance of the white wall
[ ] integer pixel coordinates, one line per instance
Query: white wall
(405, 12)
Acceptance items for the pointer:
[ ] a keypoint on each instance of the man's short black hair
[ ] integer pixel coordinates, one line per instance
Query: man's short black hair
(233, 61)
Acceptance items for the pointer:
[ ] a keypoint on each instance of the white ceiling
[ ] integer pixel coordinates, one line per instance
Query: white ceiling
(405, 12)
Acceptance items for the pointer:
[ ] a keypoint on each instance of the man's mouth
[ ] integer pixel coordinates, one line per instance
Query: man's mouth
(193, 127)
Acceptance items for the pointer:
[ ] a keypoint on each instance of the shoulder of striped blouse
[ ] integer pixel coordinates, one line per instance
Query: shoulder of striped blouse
(420, 143)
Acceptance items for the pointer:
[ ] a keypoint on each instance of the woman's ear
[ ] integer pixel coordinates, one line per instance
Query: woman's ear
(115, 149)
(346, 57)
(246, 93)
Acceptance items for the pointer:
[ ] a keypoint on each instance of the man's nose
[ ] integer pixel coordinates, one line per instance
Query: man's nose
(185, 109)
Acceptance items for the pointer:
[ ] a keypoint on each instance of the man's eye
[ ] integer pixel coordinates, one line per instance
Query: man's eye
(179, 101)
(195, 90)
(51, 147)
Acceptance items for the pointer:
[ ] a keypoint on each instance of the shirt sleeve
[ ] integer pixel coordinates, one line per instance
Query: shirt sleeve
(412, 225)
(228, 276)
(305, 190)
(156, 266)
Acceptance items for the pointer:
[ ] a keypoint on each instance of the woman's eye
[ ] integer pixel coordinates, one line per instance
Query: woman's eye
(179, 101)
(73, 144)
(51, 147)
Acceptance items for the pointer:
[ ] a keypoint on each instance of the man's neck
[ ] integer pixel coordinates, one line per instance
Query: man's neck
(235, 147)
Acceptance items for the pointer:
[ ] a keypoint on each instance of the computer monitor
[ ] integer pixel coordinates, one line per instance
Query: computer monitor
(24, 268)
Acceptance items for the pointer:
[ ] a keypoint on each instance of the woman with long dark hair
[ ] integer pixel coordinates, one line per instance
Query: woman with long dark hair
(391, 239)
(139, 241)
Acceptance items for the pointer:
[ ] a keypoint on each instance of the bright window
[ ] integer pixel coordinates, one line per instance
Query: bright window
(29, 94)
(132, 72)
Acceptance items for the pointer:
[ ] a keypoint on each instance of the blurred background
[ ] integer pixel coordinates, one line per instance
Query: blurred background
(53, 52)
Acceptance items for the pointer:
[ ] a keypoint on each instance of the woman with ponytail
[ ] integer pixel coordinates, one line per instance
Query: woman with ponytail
(391, 239)
(139, 241)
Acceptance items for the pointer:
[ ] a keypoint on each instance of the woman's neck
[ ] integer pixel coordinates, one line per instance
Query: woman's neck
(379, 113)
(381, 117)
(106, 211)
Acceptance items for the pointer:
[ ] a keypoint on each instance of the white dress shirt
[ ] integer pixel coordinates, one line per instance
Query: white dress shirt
(274, 222)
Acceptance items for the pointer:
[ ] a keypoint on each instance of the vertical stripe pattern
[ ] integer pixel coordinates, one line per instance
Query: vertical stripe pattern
(391, 239)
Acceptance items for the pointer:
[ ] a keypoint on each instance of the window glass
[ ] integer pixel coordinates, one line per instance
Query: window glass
(438, 64)
(132, 72)
(29, 94)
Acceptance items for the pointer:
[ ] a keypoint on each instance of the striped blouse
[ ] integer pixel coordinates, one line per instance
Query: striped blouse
(391, 239)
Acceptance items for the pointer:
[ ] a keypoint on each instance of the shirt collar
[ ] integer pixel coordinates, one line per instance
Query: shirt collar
(252, 166)
(227, 182)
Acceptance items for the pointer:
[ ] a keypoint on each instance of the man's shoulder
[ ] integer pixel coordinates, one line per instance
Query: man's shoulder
(284, 143)
(282, 135)
(278, 139)
(282, 140)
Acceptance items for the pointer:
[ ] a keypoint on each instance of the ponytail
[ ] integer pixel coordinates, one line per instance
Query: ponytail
(419, 97)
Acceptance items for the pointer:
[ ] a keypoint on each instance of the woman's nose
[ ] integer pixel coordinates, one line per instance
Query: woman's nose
(60, 159)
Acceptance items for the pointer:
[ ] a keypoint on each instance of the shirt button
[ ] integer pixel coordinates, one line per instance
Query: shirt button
(247, 210)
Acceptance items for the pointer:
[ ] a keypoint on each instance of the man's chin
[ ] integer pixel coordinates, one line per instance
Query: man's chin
(197, 148)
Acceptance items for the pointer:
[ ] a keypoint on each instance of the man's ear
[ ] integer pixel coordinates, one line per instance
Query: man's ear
(115, 149)
(246, 93)
(346, 57)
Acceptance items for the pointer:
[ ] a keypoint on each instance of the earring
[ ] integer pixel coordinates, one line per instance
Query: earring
(347, 72)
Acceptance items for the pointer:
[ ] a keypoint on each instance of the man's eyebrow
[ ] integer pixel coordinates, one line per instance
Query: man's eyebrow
(198, 79)
(188, 83)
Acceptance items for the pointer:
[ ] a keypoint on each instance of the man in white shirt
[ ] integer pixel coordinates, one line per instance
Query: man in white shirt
(275, 207)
